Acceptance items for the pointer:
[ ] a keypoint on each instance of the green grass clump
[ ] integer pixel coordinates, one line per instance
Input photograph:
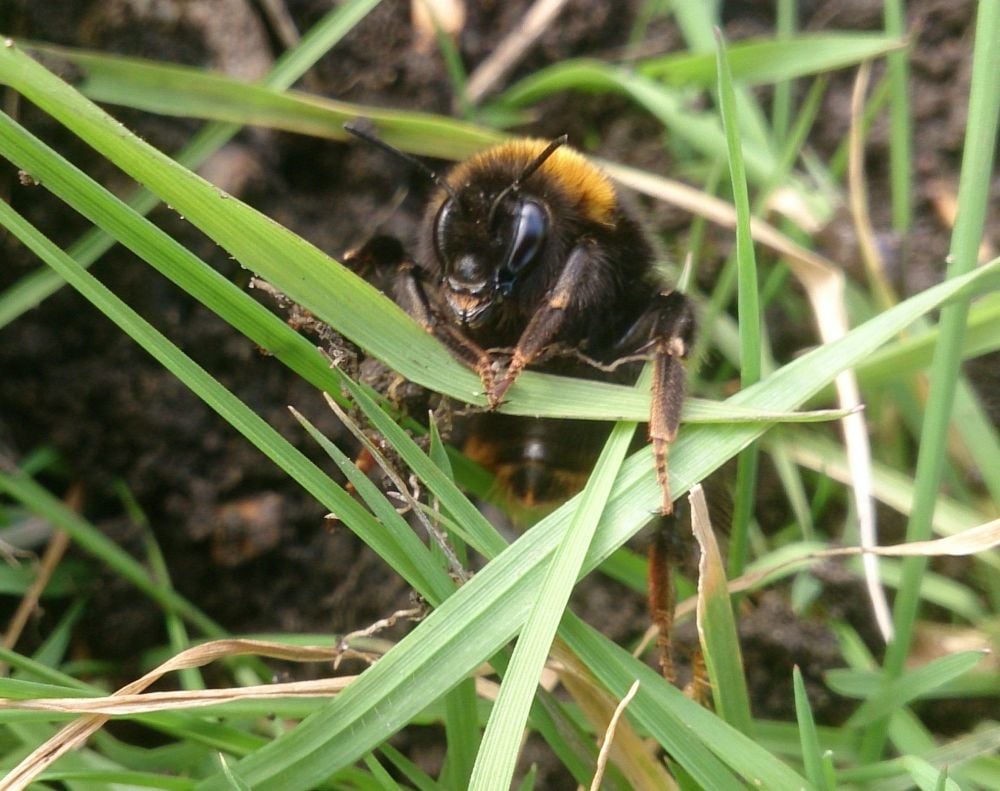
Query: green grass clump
(520, 595)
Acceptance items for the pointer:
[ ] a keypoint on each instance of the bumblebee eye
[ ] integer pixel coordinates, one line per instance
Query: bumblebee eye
(441, 223)
(530, 230)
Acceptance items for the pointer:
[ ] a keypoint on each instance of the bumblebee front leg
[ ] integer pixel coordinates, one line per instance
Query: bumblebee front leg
(545, 325)
(413, 298)
(383, 262)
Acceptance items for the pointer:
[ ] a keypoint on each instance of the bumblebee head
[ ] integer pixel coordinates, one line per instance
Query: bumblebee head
(487, 235)
(503, 215)
(508, 213)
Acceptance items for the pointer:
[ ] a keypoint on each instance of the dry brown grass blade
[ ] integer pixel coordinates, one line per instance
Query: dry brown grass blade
(148, 702)
(512, 48)
(609, 736)
(973, 541)
(824, 283)
(632, 755)
(861, 473)
(430, 16)
(78, 731)
(51, 558)
(969, 542)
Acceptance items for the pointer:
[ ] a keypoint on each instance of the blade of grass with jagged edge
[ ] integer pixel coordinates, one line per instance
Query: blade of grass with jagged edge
(487, 611)
(30, 290)
(403, 551)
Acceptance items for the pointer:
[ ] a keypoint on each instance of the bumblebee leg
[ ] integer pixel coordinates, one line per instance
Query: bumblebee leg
(412, 296)
(548, 320)
(666, 328)
(660, 592)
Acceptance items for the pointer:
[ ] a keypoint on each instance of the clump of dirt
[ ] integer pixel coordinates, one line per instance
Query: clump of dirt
(240, 539)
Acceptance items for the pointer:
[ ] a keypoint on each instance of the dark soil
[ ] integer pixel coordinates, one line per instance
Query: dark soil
(241, 541)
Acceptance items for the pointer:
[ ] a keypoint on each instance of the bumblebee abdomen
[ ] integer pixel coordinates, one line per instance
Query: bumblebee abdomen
(537, 463)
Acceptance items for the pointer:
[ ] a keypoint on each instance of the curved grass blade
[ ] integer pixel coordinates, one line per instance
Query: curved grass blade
(186, 91)
(233, 410)
(32, 289)
(766, 60)
(486, 612)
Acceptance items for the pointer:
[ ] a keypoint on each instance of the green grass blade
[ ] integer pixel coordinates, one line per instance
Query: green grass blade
(168, 257)
(771, 60)
(901, 131)
(413, 773)
(487, 611)
(473, 527)
(717, 633)
(748, 306)
(915, 351)
(218, 398)
(812, 753)
(186, 91)
(31, 290)
(928, 777)
(319, 40)
(786, 23)
(891, 697)
(973, 198)
(393, 530)
(494, 768)
(462, 734)
(117, 778)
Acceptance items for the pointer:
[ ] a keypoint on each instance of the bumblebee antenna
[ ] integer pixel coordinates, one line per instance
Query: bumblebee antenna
(368, 137)
(525, 174)
(538, 161)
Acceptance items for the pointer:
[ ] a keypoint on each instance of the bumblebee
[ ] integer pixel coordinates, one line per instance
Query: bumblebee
(527, 257)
